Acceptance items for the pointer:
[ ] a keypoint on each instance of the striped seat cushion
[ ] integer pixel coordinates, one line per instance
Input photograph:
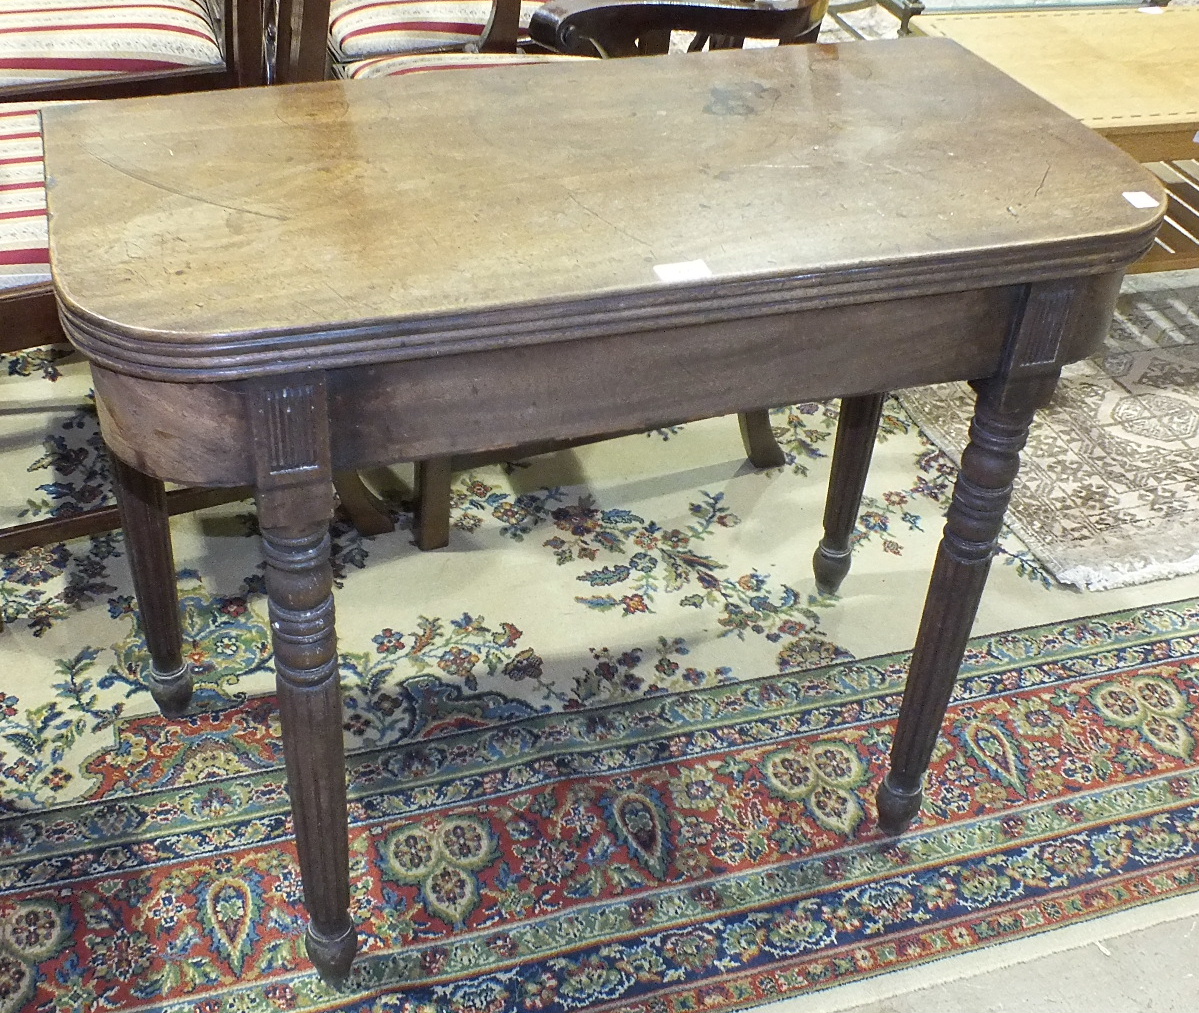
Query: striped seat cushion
(24, 250)
(359, 29)
(414, 63)
(52, 40)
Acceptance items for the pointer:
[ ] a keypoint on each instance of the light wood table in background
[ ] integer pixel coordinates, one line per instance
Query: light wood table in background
(1130, 75)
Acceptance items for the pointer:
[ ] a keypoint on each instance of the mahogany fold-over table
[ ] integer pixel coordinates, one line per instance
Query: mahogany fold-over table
(275, 284)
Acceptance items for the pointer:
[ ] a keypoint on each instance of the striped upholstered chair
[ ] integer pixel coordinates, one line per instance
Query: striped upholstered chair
(69, 49)
(362, 30)
(53, 50)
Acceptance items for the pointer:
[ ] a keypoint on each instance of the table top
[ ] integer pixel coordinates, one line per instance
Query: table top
(1115, 70)
(240, 233)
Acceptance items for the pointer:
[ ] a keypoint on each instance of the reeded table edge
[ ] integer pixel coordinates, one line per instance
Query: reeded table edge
(211, 357)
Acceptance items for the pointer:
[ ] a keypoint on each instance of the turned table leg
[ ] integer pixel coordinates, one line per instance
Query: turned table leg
(299, 584)
(141, 501)
(857, 427)
(972, 526)
(1004, 409)
(294, 492)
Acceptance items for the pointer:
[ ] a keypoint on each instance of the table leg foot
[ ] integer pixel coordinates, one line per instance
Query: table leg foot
(332, 957)
(142, 504)
(831, 566)
(897, 807)
(172, 691)
(856, 430)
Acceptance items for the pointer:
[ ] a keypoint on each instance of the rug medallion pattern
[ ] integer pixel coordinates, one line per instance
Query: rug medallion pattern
(1106, 495)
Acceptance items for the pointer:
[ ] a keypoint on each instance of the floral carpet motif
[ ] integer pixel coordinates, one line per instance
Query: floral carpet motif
(709, 849)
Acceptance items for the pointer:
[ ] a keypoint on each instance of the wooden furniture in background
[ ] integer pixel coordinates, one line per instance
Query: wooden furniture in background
(316, 304)
(905, 10)
(1132, 76)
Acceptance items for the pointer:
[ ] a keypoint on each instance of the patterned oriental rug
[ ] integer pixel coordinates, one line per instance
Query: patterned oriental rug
(609, 751)
(1108, 492)
(707, 850)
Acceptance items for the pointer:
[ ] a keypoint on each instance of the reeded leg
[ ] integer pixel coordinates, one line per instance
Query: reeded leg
(299, 583)
(294, 491)
(761, 447)
(857, 427)
(141, 501)
(980, 498)
(433, 480)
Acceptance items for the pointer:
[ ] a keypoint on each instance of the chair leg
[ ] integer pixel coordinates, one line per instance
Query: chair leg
(433, 503)
(433, 478)
(142, 503)
(761, 447)
(366, 511)
(856, 430)
(654, 43)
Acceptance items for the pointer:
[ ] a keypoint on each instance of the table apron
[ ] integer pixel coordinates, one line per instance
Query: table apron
(483, 401)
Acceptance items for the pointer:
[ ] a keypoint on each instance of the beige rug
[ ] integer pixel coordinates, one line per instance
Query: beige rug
(1108, 492)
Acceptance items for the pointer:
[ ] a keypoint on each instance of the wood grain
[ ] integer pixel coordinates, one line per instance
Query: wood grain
(338, 223)
(1130, 75)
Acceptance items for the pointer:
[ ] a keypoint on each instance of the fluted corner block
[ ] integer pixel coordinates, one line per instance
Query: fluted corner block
(332, 958)
(897, 807)
(172, 691)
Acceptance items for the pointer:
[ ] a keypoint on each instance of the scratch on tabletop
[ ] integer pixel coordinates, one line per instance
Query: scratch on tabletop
(199, 198)
(611, 225)
(1041, 184)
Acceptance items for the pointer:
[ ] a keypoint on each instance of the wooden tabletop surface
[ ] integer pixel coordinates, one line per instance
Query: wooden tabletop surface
(431, 213)
(1116, 70)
